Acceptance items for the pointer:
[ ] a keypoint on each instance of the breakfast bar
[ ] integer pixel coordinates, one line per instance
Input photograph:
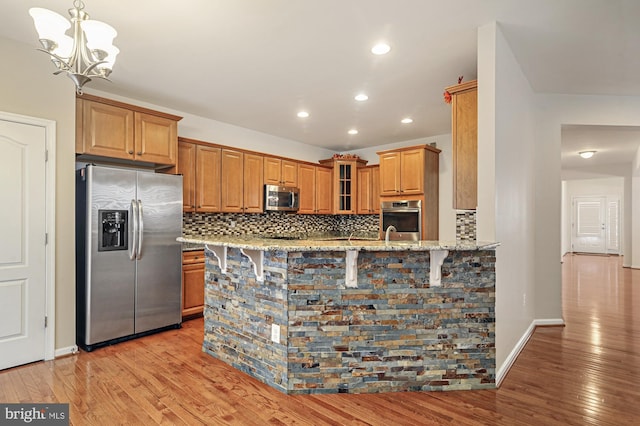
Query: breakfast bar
(351, 316)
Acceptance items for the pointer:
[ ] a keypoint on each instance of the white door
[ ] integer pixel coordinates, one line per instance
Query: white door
(22, 243)
(589, 226)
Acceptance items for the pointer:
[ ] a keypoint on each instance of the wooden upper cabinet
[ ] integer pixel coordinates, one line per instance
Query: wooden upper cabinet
(199, 166)
(307, 188)
(404, 171)
(368, 190)
(389, 173)
(208, 173)
(155, 139)
(375, 189)
(412, 171)
(464, 133)
(323, 190)
(253, 183)
(107, 131)
(112, 129)
(232, 181)
(242, 182)
(279, 171)
(187, 168)
(314, 183)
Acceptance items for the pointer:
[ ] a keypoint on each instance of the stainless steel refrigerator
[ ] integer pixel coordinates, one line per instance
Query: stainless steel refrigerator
(128, 262)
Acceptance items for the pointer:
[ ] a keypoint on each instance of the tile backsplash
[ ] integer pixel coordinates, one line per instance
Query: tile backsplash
(277, 223)
(465, 225)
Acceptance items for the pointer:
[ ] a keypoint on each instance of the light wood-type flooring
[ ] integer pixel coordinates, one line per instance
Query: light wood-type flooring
(586, 373)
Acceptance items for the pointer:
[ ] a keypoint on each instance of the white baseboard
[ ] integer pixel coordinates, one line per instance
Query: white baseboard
(69, 350)
(506, 366)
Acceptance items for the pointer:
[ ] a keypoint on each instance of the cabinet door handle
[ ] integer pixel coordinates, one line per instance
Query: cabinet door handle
(131, 152)
(139, 153)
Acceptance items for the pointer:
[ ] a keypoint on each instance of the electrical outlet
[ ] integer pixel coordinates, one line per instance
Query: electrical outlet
(275, 333)
(524, 299)
(232, 224)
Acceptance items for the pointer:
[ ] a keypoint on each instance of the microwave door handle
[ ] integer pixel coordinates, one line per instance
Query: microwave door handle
(293, 199)
(140, 231)
(133, 229)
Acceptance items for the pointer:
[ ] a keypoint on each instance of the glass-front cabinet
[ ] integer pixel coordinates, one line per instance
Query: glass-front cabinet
(345, 173)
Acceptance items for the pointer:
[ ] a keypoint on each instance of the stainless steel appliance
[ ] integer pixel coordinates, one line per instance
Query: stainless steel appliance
(128, 262)
(283, 198)
(405, 216)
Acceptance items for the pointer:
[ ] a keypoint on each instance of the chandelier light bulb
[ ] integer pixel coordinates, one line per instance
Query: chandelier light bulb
(303, 114)
(586, 154)
(360, 97)
(353, 132)
(406, 120)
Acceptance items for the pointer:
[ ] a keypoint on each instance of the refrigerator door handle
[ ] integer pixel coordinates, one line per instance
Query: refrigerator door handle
(133, 229)
(140, 231)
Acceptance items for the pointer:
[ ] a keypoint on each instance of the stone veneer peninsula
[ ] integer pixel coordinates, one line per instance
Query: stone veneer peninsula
(339, 316)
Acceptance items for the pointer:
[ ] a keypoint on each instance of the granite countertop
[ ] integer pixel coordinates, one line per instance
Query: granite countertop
(253, 242)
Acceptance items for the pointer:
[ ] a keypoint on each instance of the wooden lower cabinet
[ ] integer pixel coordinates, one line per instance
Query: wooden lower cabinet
(192, 284)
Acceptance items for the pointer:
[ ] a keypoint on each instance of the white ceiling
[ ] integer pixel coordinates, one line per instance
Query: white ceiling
(255, 63)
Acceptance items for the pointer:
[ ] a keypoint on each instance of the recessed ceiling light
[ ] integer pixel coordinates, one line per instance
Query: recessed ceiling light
(380, 49)
(406, 121)
(361, 97)
(586, 154)
(303, 114)
(353, 132)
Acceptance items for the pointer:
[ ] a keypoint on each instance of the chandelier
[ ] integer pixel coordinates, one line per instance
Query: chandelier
(90, 53)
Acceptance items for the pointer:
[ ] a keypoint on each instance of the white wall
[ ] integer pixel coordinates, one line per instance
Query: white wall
(28, 87)
(446, 213)
(506, 167)
(613, 186)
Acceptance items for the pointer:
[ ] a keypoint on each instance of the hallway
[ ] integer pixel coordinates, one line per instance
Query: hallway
(586, 373)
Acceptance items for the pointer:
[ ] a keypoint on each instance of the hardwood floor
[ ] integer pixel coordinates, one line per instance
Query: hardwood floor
(587, 373)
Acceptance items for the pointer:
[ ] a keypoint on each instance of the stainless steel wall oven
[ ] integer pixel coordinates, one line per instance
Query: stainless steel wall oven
(405, 216)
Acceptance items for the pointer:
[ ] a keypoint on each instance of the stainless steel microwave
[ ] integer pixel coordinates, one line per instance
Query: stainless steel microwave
(281, 198)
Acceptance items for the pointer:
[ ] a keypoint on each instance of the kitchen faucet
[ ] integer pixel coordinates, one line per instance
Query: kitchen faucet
(389, 229)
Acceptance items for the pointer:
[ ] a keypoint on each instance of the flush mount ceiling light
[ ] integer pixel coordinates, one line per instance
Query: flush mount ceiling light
(406, 120)
(90, 53)
(303, 114)
(586, 154)
(353, 132)
(361, 97)
(380, 49)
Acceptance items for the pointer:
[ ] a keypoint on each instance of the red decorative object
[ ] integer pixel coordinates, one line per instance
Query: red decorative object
(447, 95)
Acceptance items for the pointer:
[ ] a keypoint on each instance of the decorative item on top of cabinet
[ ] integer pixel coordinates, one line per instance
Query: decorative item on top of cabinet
(345, 181)
(368, 190)
(200, 166)
(192, 284)
(464, 133)
(114, 130)
(314, 183)
(242, 182)
(280, 171)
(412, 173)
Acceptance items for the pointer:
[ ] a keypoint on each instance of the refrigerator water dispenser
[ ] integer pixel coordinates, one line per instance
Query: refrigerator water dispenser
(112, 233)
